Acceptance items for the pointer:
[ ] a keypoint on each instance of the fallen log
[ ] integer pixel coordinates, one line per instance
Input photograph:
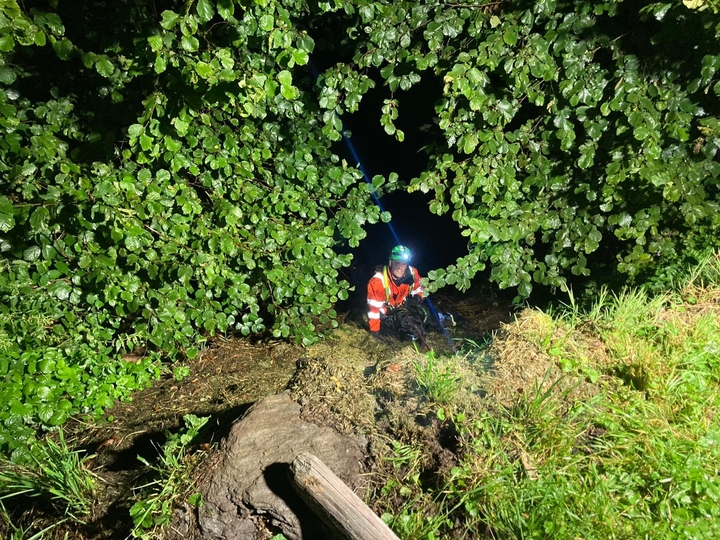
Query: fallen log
(334, 502)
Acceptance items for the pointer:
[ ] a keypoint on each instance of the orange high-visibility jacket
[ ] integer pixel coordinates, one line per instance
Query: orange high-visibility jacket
(384, 293)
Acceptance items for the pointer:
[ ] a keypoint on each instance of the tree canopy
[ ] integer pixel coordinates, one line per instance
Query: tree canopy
(572, 138)
(168, 168)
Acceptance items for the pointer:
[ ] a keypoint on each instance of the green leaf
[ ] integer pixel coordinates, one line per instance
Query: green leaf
(54, 23)
(285, 77)
(162, 176)
(641, 133)
(135, 130)
(63, 48)
(32, 253)
(300, 57)
(60, 289)
(289, 92)
(510, 36)
(266, 23)
(585, 161)
(45, 412)
(169, 19)
(146, 142)
(204, 69)
(205, 10)
(104, 67)
(226, 8)
(156, 42)
(38, 219)
(7, 75)
(471, 142)
(58, 418)
(7, 221)
(306, 43)
(7, 43)
(190, 43)
(181, 126)
(160, 64)
(133, 243)
(524, 289)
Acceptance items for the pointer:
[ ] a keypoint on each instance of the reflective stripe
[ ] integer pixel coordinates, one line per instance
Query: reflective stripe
(375, 303)
(373, 315)
(386, 285)
(416, 291)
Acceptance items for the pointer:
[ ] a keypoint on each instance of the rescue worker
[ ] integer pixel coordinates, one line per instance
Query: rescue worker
(390, 288)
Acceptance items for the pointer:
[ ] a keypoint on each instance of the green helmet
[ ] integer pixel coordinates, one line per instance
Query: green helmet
(400, 253)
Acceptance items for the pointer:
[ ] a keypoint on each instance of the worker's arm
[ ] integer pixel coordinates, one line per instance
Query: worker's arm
(376, 302)
(417, 289)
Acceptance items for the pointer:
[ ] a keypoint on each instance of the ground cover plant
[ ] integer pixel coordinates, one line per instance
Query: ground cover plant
(171, 481)
(56, 473)
(48, 374)
(57, 478)
(596, 421)
(599, 423)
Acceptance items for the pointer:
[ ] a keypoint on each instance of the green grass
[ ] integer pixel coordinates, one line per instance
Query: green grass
(171, 481)
(436, 380)
(635, 458)
(54, 473)
(19, 532)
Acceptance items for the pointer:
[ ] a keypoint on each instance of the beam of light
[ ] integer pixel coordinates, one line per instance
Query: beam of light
(358, 163)
(444, 331)
(376, 199)
(360, 166)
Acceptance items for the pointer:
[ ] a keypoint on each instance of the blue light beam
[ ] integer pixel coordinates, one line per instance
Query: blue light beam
(376, 199)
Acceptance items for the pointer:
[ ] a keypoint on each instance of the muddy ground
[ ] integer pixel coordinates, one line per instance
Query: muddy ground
(231, 374)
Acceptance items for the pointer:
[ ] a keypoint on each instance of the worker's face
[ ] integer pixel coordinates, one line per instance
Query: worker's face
(398, 268)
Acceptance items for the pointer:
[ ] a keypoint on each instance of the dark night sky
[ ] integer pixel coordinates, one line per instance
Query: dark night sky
(435, 241)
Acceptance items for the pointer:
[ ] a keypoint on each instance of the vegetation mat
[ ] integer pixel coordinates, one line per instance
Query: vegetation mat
(598, 422)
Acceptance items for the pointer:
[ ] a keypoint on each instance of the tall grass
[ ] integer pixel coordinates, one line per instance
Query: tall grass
(56, 473)
(636, 458)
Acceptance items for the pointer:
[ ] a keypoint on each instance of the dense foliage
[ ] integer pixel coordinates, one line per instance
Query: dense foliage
(164, 175)
(168, 169)
(571, 136)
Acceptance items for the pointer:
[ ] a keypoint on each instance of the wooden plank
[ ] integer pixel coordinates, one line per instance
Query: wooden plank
(334, 502)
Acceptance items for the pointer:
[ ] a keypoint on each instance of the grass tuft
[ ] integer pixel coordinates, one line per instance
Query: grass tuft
(437, 380)
(55, 473)
(171, 481)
